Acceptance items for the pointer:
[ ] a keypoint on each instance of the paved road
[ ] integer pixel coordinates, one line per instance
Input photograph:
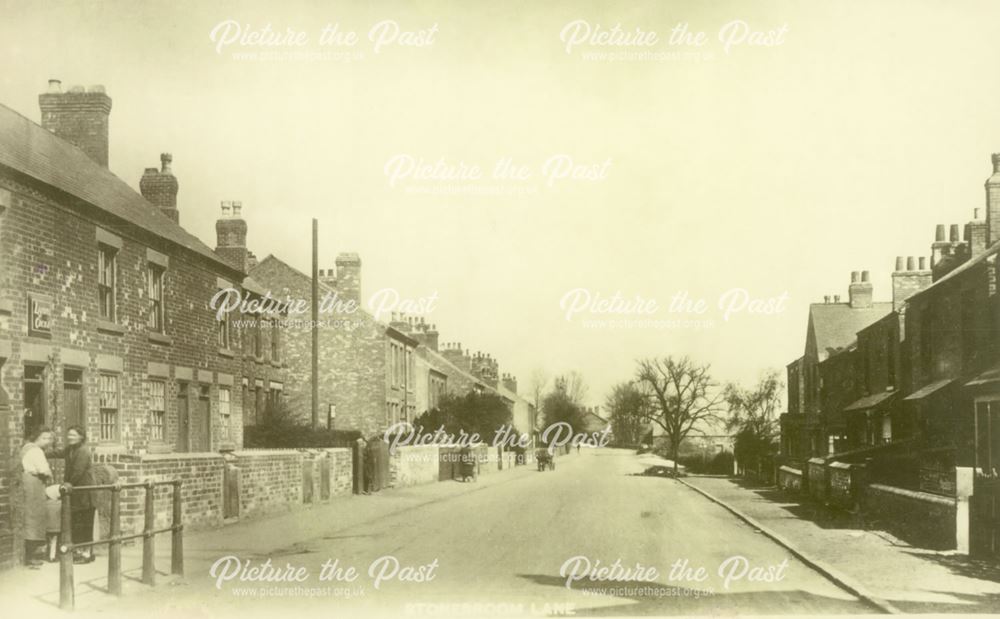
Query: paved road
(499, 551)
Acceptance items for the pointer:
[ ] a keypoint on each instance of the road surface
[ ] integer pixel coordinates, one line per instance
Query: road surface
(502, 550)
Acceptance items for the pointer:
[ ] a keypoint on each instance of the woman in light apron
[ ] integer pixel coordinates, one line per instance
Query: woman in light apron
(35, 476)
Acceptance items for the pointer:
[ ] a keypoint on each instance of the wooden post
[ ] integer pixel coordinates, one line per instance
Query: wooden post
(115, 546)
(177, 535)
(315, 325)
(66, 594)
(149, 540)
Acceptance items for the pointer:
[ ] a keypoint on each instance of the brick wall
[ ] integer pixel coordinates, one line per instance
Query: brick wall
(414, 465)
(50, 251)
(352, 357)
(918, 517)
(790, 479)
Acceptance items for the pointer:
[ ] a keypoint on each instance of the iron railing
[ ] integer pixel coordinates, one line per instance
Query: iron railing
(115, 538)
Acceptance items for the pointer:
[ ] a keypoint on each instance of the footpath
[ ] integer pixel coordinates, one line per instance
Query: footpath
(893, 575)
(35, 593)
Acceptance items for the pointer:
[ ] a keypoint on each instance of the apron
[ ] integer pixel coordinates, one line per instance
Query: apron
(35, 502)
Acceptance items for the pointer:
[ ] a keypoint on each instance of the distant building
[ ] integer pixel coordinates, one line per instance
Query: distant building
(821, 382)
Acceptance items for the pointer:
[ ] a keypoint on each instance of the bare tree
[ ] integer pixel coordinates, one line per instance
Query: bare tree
(537, 384)
(681, 395)
(753, 416)
(573, 385)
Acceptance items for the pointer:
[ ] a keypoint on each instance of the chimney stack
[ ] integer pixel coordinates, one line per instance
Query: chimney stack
(79, 116)
(993, 203)
(860, 291)
(231, 237)
(349, 277)
(975, 234)
(159, 187)
(907, 282)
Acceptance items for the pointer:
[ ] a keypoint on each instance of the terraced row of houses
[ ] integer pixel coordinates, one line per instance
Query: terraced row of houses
(105, 320)
(910, 388)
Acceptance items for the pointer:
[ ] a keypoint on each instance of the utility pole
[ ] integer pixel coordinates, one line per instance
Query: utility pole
(315, 324)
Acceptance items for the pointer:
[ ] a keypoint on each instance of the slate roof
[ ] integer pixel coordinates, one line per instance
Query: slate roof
(962, 268)
(869, 401)
(33, 151)
(835, 325)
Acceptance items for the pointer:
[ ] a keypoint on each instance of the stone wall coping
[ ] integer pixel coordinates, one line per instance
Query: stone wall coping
(915, 495)
(201, 455)
(789, 469)
(817, 460)
(840, 465)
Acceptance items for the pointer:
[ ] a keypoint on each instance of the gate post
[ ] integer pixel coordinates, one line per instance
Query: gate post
(149, 540)
(964, 488)
(177, 535)
(359, 466)
(115, 545)
(66, 593)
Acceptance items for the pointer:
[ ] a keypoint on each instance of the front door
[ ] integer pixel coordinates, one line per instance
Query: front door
(73, 398)
(183, 421)
(34, 399)
(200, 419)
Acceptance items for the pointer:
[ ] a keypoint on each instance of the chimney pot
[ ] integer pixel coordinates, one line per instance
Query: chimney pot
(911, 264)
(836, 298)
(923, 263)
(939, 233)
(996, 162)
(826, 298)
(55, 86)
(975, 214)
(165, 160)
(865, 276)
(900, 263)
(953, 233)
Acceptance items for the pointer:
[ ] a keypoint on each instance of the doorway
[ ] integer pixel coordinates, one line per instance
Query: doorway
(35, 410)
(73, 406)
(183, 425)
(201, 418)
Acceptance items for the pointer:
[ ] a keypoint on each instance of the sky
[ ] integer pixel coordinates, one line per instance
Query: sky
(833, 144)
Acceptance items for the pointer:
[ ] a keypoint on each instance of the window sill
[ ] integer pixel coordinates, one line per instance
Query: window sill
(109, 448)
(277, 364)
(259, 360)
(6, 307)
(160, 338)
(107, 326)
(225, 352)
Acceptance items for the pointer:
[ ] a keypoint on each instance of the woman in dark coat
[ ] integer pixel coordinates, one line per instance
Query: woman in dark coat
(35, 476)
(80, 472)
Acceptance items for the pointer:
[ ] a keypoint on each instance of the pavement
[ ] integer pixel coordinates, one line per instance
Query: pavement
(891, 572)
(503, 546)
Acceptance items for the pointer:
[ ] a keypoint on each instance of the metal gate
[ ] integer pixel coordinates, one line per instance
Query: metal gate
(985, 507)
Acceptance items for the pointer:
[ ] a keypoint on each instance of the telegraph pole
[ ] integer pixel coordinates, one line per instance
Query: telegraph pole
(315, 324)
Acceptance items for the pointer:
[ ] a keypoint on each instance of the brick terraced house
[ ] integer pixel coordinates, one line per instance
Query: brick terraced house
(104, 303)
(920, 412)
